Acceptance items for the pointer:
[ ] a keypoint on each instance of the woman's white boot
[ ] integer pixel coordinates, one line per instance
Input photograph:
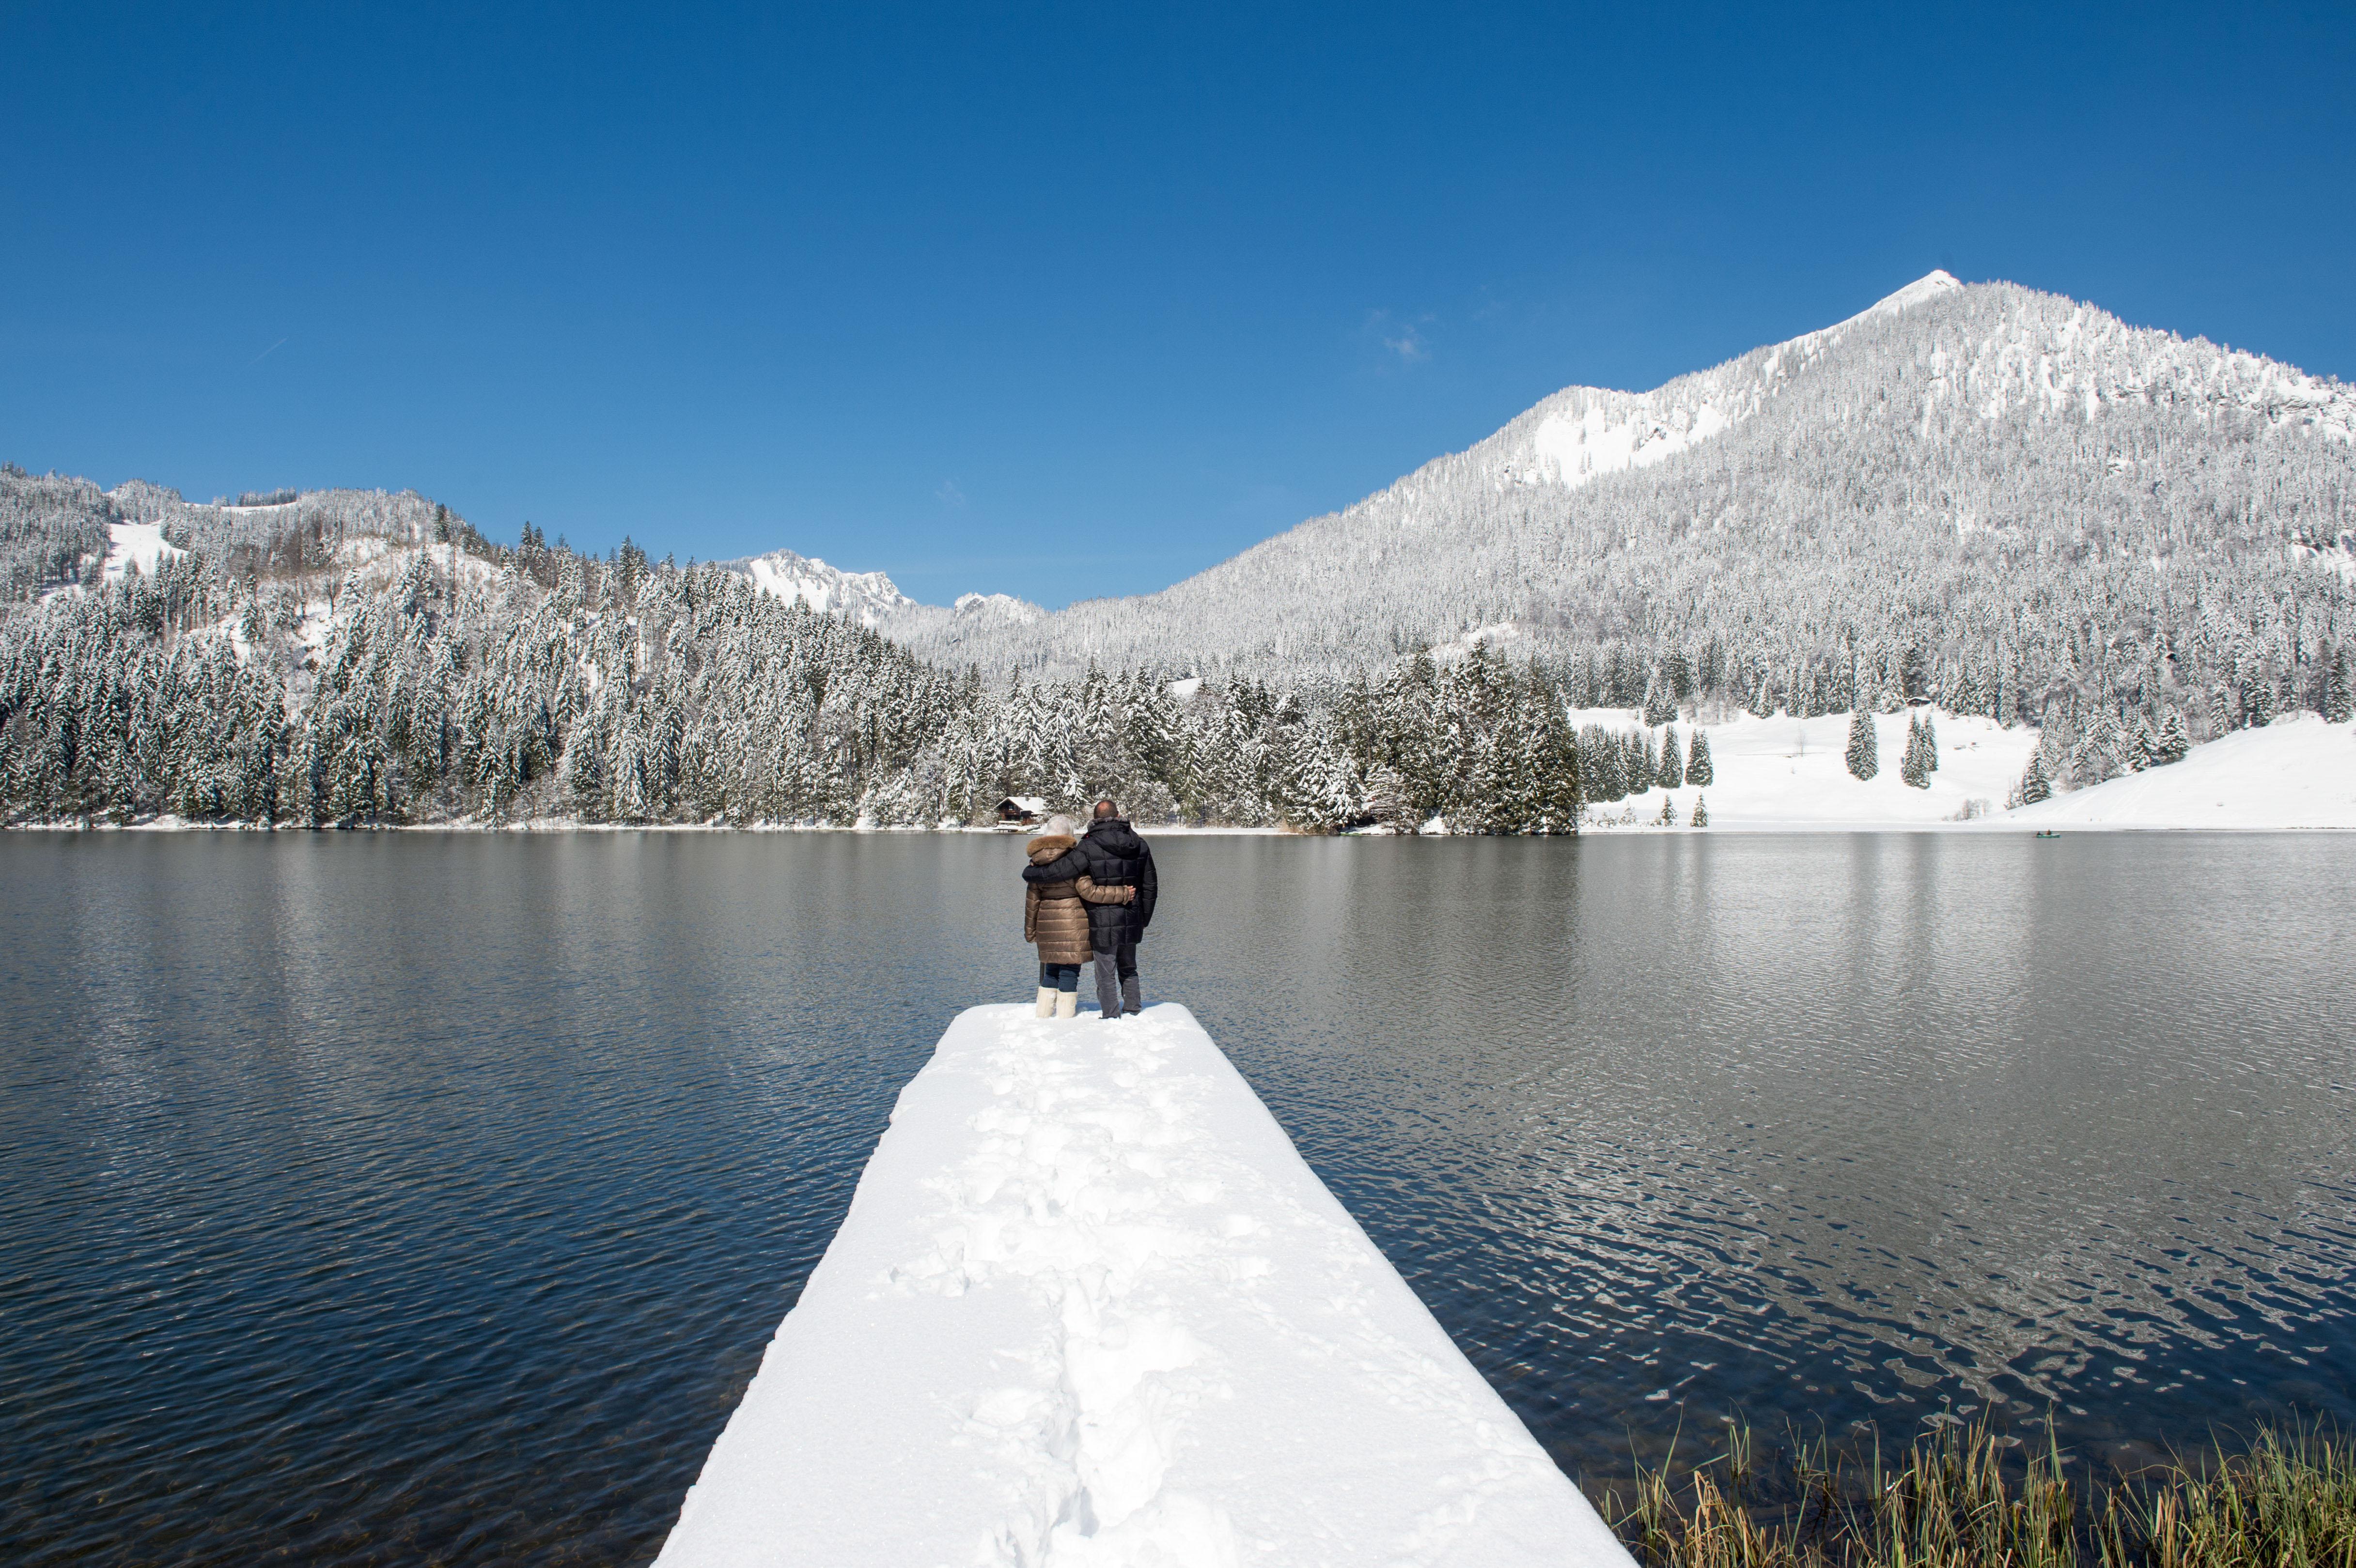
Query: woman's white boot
(1047, 1002)
(1067, 1004)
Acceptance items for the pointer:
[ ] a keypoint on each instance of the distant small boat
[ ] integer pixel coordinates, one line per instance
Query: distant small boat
(2048, 833)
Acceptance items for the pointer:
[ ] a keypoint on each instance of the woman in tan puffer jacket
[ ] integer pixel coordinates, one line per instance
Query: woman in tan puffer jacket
(1055, 915)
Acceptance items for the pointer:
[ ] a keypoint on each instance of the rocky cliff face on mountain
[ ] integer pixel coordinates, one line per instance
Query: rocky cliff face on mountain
(872, 600)
(869, 598)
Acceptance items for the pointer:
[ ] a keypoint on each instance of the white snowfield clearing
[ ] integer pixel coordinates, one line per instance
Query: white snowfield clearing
(2298, 771)
(1090, 1308)
(136, 545)
(1786, 773)
(1792, 774)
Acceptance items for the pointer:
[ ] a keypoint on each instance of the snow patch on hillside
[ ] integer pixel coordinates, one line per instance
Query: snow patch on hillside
(136, 545)
(1574, 450)
(1489, 636)
(1090, 1307)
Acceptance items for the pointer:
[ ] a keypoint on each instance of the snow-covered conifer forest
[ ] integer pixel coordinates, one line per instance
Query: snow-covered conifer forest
(2004, 500)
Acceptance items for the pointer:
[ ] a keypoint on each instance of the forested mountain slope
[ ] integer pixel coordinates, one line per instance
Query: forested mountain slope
(352, 657)
(1985, 479)
(1999, 500)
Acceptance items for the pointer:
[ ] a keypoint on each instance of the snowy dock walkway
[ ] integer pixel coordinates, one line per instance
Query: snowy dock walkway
(1090, 1307)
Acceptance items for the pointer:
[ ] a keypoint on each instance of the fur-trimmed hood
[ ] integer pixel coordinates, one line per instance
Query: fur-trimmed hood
(1050, 847)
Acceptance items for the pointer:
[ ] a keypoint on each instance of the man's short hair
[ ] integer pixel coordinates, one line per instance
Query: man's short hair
(1106, 808)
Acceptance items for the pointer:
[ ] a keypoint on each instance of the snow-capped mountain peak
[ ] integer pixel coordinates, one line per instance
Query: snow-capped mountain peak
(872, 600)
(867, 597)
(1002, 606)
(1585, 432)
(1947, 434)
(1922, 291)
(1514, 535)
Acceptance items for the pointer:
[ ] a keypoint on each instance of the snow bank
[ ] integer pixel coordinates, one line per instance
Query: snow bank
(1090, 1307)
(2299, 771)
(1792, 773)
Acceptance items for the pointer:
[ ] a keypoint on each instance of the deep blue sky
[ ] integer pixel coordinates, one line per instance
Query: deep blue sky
(1069, 301)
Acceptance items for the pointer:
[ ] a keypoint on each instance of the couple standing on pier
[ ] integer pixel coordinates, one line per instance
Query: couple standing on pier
(1087, 899)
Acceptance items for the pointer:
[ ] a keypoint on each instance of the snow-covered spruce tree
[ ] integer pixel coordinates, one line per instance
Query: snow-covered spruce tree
(1323, 789)
(1862, 754)
(2102, 752)
(1554, 759)
(1678, 675)
(1382, 804)
(1660, 703)
(1668, 817)
(1671, 773)
(2034, 785)
(1627, 682)
(1929, 742)
(1698, 770)
(2339, 694)
(1700, 812)
(2173, 744)
(1533, 757)
(1602, 766)
(2055, 750)
(1913, 770)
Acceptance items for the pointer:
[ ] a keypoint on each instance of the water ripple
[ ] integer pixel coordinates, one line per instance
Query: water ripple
(410, 1198)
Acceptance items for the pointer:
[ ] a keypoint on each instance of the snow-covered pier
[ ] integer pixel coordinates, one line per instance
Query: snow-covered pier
(1091, 1308)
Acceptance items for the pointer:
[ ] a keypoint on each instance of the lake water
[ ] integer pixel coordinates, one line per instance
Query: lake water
(416, 1197)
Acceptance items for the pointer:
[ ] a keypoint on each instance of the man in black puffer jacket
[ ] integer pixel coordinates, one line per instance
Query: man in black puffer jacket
(1117, 858)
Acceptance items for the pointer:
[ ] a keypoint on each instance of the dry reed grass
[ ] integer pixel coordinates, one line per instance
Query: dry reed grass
(1964, 1497)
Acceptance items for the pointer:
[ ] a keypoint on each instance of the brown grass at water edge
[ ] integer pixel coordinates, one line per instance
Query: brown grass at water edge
(1964, 1497)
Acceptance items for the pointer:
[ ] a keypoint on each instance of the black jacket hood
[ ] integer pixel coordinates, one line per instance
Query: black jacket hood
(1116, 835)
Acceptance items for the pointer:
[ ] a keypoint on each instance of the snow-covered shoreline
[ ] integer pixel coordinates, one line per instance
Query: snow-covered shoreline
(1782, 775)
(2010, 823)
(1089, 1306)
(567, 825)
